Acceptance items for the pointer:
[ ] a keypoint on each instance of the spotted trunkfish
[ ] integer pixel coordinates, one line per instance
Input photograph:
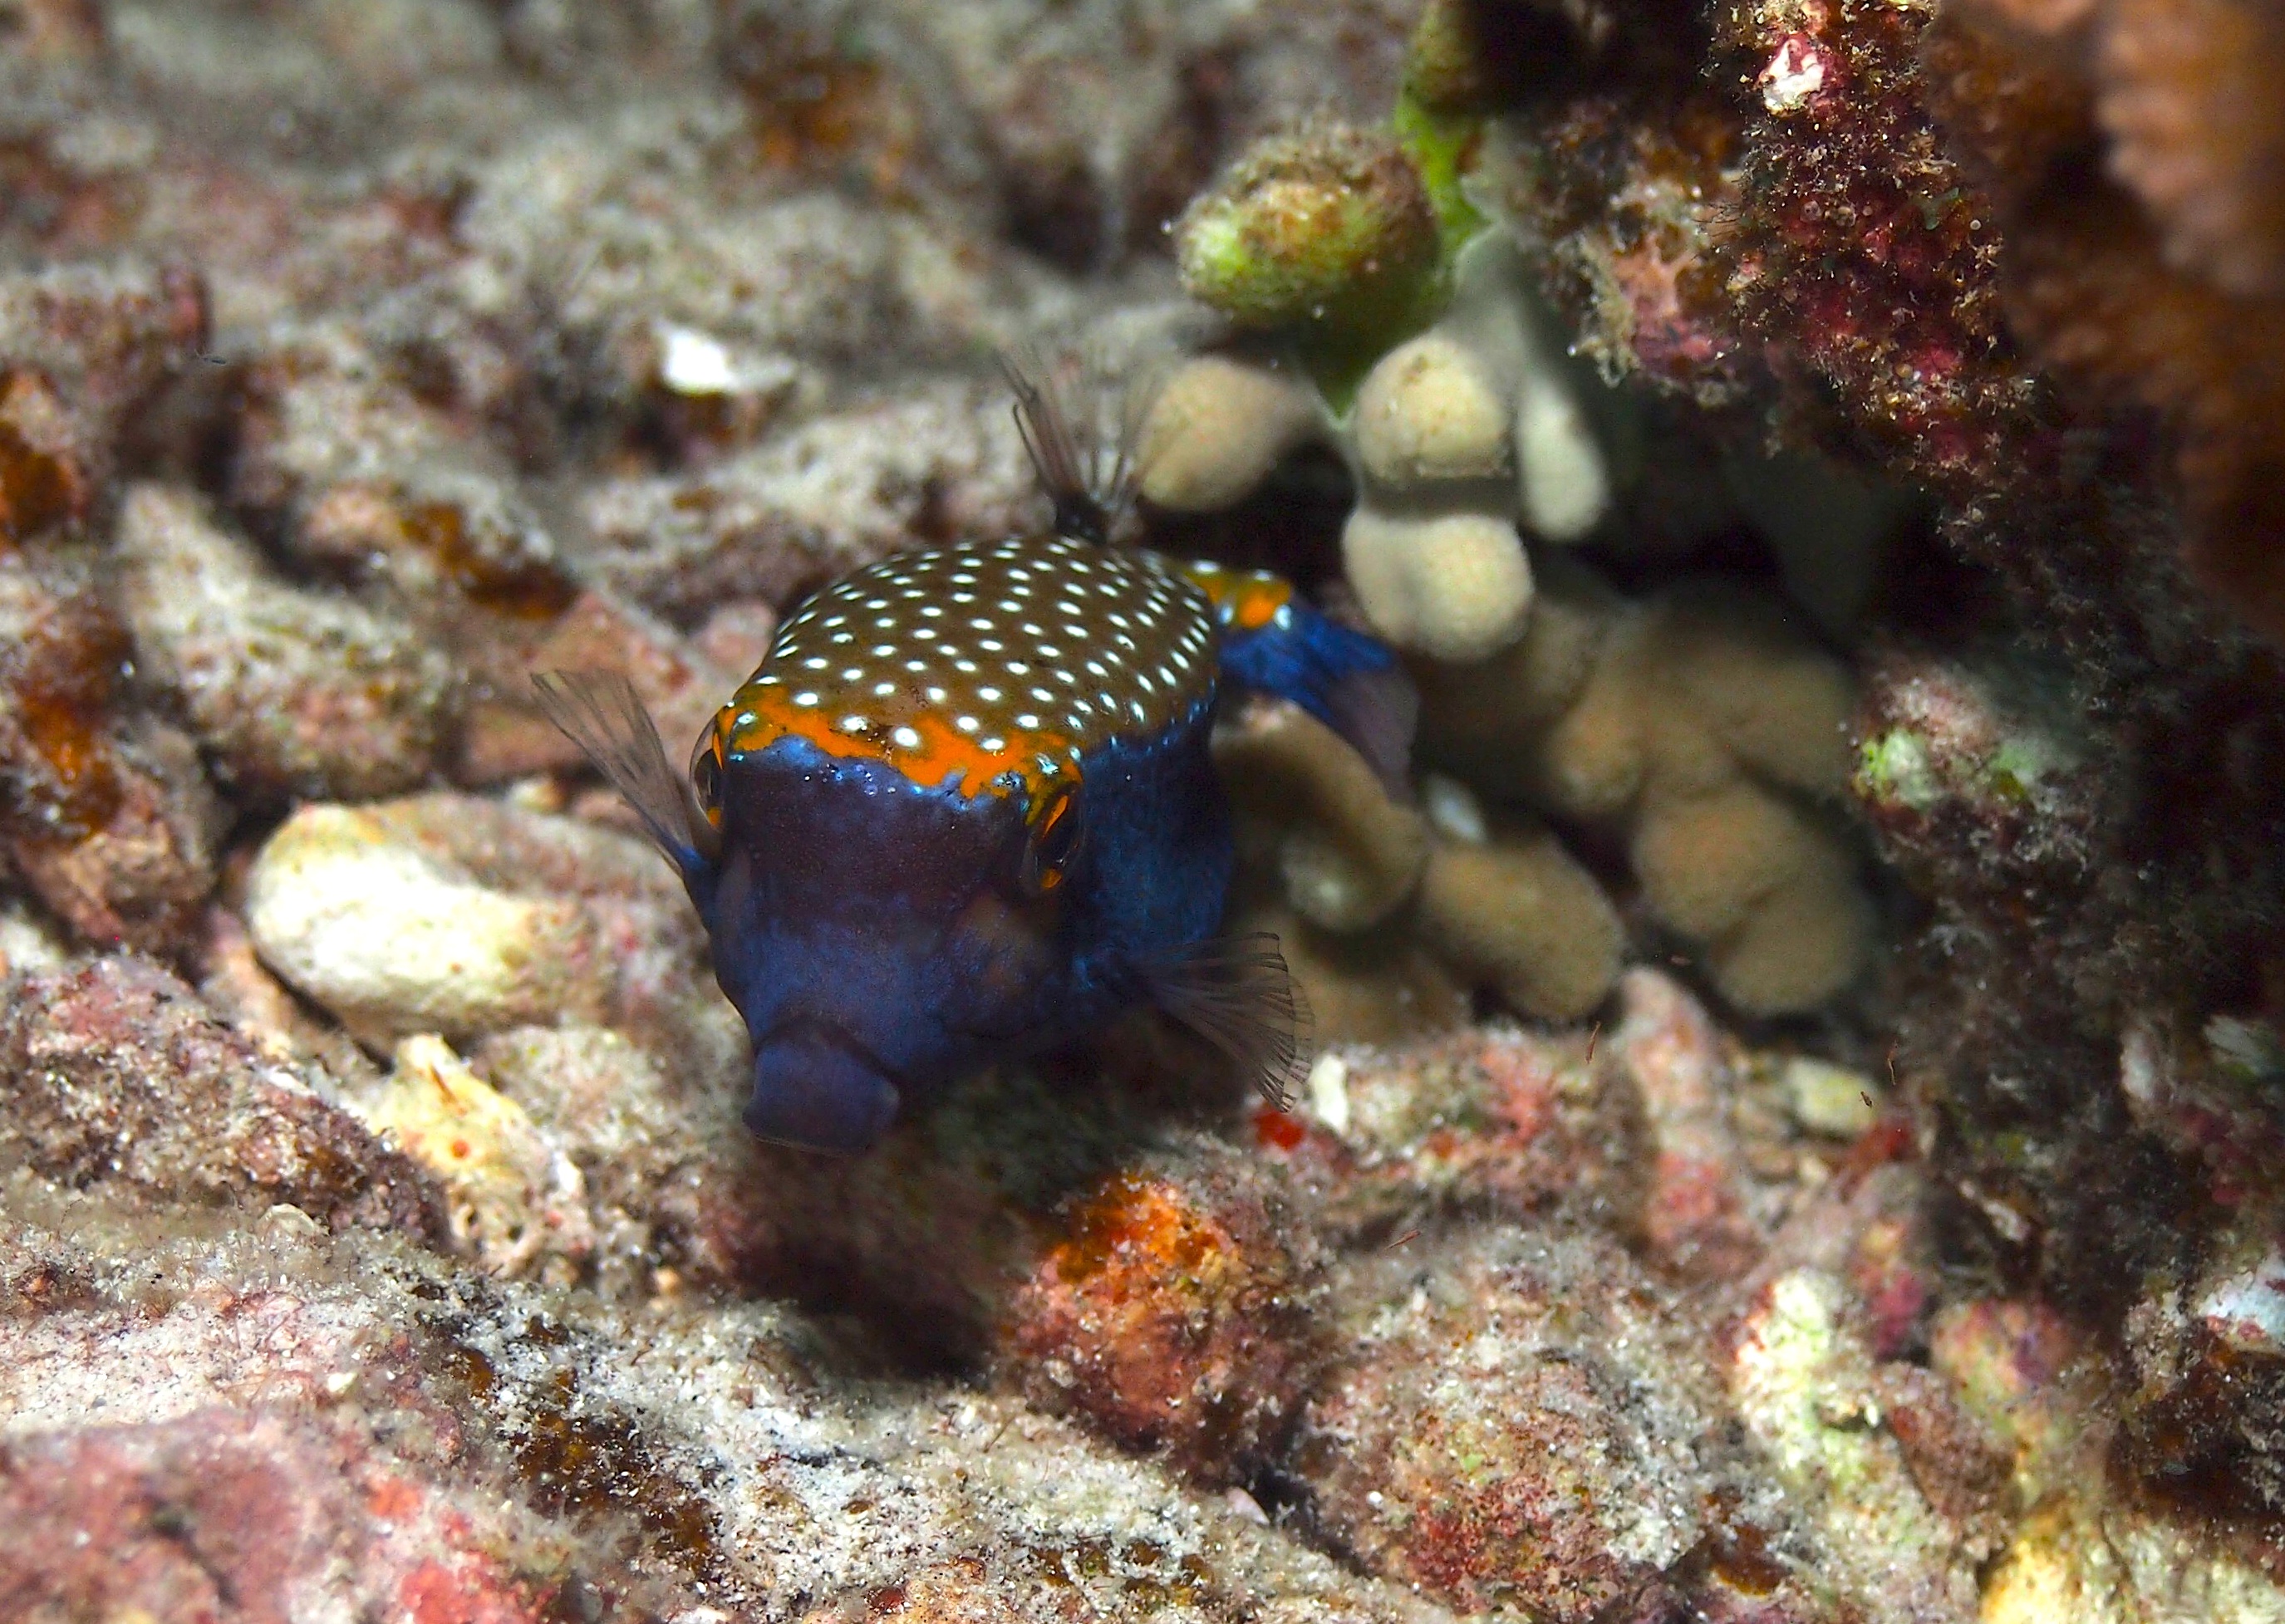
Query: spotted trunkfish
(965, 809)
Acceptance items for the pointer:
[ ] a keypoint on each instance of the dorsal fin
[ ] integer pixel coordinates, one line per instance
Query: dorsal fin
(1081, 427)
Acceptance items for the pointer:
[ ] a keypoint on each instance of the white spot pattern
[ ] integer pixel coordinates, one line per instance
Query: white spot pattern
(1141, 633)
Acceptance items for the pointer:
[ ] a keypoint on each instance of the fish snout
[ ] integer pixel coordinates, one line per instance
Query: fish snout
(816, 1094)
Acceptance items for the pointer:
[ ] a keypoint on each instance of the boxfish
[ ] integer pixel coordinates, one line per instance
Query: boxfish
(965, 810)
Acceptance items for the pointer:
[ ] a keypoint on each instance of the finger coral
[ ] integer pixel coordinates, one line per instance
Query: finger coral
(1432, 377)
(1348, 853)
(1507, 909)
(1705, 731)
(1510, 908)
(1330, 228)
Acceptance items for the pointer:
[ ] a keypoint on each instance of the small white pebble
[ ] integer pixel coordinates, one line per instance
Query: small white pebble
(1244, 1505)
(1830, 1100)
(695, 363)
(1453, 810)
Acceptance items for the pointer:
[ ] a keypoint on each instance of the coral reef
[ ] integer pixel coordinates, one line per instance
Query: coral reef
(1794, 1136)
(1435, 380)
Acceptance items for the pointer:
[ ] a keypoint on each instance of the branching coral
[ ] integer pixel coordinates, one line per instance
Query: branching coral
(1382, 313)
(1505, 908)
(1698, 731)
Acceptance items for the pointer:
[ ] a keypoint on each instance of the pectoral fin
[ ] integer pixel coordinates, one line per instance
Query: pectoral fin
(601, 713)
(1235, 994)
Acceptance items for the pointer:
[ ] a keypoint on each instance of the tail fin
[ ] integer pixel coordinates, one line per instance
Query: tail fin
(1379, 713)
(1351, 682)
(1081, 427)
(601, 713)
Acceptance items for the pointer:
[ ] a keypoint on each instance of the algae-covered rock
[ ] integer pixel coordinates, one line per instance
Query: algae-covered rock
(287, 689)
(1332, 227)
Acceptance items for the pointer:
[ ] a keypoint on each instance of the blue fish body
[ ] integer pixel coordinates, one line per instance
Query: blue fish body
(883, 936)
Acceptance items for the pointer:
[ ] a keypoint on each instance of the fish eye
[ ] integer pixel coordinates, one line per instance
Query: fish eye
(706, 776)
(1056, 836)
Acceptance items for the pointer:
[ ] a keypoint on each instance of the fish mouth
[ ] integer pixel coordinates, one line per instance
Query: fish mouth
(816, 1088)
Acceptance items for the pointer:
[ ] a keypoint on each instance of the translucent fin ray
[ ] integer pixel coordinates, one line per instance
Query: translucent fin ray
(1236, 996)
(1082, 429)
(600, 712)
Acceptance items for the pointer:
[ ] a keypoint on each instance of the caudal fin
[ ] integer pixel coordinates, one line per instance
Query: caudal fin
(601, 713)
(1379, 713)
(1235, 995)
(1349, 680)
